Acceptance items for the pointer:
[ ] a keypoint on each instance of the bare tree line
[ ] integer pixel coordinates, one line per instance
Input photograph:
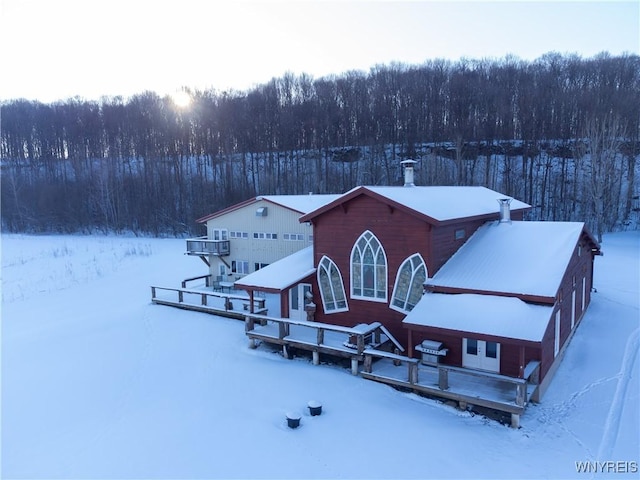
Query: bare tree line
(561, 133)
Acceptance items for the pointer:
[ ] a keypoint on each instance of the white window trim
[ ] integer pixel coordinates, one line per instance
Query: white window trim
(322, 296)
(413, 273)
(386, 271)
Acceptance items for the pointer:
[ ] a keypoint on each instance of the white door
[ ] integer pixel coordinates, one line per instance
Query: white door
(297, 296)
(481, 355)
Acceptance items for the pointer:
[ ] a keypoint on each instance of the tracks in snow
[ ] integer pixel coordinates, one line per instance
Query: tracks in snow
(612, 424)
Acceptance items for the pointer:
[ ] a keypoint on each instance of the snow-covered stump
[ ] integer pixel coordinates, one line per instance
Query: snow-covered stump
(293, 419)
(315, 408)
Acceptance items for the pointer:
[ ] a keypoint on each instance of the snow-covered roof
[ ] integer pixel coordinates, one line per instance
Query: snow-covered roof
(282, 274)
(440, 203)
(528, 258)
(298, 203)
(506, 317)
(301, 203)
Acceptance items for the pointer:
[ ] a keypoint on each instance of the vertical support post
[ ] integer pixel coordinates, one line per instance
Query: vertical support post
(520, 394)
(320, 336)
(360, 340)
(204, 299)
(249, 324)
(285, 352)
(316, 357)
(413, 372)
(368, 362)
(443, 378)
(180, 296)
(153, 293)
(354, 366)
(521, 360)
(515, 420)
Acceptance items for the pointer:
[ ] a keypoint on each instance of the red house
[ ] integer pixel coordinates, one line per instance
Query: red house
(453, 273)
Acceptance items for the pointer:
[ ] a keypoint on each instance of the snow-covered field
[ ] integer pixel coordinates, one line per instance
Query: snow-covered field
(97, 382)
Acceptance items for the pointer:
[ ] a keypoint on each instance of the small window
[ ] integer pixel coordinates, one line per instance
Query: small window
(293, 236)
(459, 234)
(472, 346)
(262, 236)
(492, 350)
(240, 266)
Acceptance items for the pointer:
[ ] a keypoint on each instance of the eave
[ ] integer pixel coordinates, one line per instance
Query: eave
(525, 297)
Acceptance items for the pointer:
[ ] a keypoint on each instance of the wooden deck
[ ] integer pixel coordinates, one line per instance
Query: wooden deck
(367, 346)
(318, 338)
(232, 305)
(465, 386)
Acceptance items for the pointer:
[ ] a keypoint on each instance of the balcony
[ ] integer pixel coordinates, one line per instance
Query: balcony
(204, 246)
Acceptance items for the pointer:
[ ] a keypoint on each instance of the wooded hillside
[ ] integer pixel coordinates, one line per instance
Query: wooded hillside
(561, 133)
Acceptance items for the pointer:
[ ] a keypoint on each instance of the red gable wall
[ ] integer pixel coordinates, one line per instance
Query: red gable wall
(401, 235)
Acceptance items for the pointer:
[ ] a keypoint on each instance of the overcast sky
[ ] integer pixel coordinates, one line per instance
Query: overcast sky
(56, 49)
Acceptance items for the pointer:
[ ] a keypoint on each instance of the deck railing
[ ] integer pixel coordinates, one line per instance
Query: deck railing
(204, 246)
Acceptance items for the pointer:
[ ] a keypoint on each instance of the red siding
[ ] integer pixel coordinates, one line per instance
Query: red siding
(452, 340)
(401, 235)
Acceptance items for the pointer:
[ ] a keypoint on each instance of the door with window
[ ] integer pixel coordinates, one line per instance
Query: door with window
(297, 301)
(481, 355)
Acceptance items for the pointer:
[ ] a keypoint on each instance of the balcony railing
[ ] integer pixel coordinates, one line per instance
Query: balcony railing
(204, 246)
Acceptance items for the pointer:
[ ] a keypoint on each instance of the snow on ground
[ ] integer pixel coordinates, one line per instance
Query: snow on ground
(97, 382)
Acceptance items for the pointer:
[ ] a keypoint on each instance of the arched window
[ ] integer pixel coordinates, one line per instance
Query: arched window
(368, 269)
(331, 287)
(409, 284)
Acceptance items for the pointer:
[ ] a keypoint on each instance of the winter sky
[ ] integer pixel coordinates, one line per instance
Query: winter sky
(57, 49)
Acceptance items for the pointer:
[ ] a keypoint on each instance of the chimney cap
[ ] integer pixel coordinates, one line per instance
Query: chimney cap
(408, 162)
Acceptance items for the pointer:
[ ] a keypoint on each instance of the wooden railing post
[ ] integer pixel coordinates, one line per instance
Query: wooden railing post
(368, 363)
(320, 336)
(360, 340)
(180, 296)
(249, 324)
(153, 293)
(443, 378)
(520, 394)
(413, 372)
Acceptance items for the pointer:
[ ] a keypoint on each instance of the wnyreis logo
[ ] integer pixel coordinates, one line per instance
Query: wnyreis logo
(610, 466)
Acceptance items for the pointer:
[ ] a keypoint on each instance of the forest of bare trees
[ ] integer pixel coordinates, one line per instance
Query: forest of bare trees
(561, 133)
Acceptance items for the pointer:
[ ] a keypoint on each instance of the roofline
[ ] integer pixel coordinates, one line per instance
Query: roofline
(264, 197)
(244, 203)
(481, 336)
(363, 190)
(258, 288)
(226, 210)
(525, 297)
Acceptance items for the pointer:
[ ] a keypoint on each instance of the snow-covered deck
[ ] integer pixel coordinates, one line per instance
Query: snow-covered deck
(463, 385)
(234, 304)
(334, 340)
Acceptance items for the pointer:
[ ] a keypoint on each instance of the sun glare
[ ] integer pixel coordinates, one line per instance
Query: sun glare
(181, 98)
